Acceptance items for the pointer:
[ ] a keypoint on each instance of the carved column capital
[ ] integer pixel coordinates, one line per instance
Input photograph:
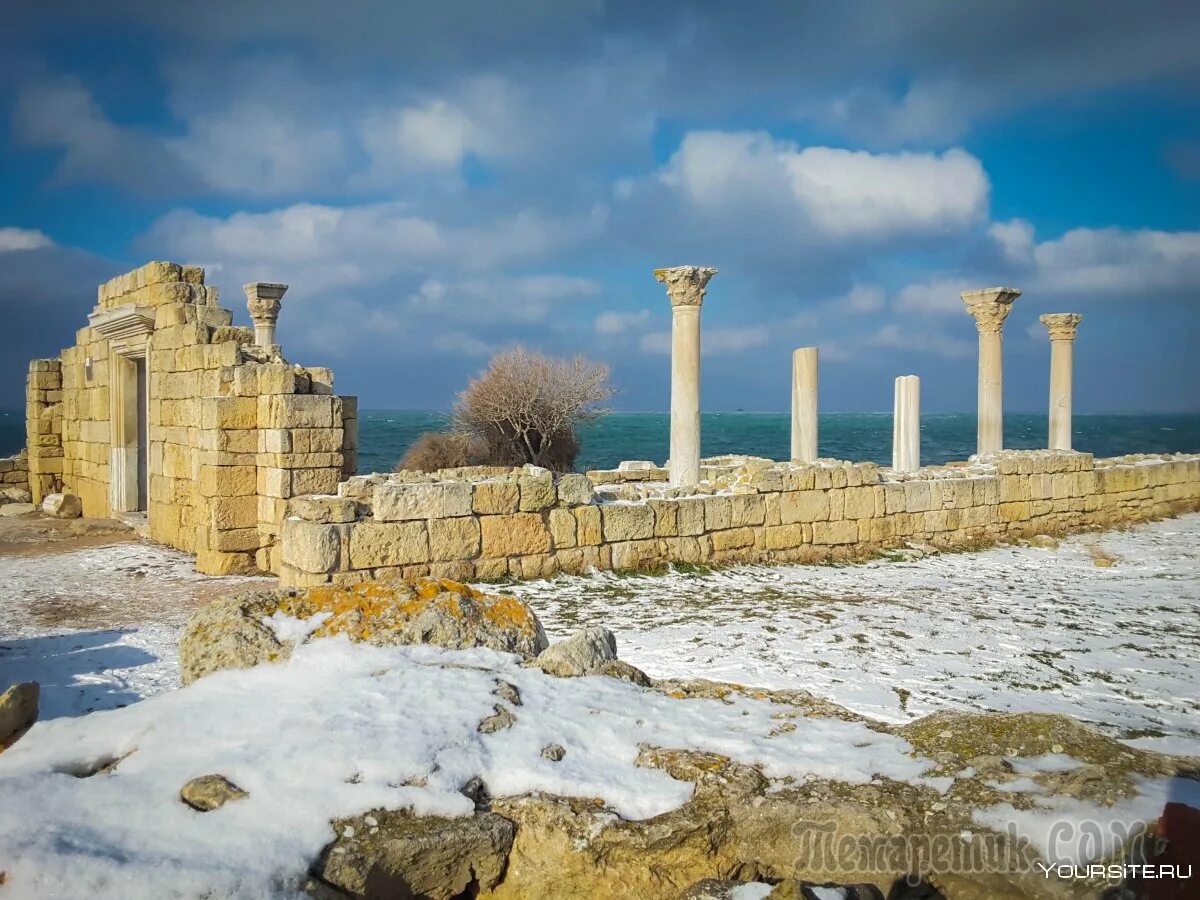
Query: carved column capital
(686, 285)
(263, 300)
(989, 307)
(1061, 325)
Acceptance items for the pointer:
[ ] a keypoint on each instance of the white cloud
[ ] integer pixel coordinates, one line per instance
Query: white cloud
(22, 239)
(862, 298)
(1015, 239)
(936, 296)
(434, 135)
(838, 192)
(1112, 261)
(461, 344)
(715, 341)
(921, 342)
(612, 322)
(529, 298)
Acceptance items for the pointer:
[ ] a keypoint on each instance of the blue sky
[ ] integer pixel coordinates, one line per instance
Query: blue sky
(438, 182)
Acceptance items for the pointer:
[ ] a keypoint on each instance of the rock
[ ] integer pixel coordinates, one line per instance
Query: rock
(15, 495)
(209, 792)
(616, 668)
(554, 752)
(17, 509)
(99, 526)
(583, 653)
(231, 634)
(506, 690)
(18, 710)
(62, 506)
(500, 719)
(1044, 542)
(403, 855)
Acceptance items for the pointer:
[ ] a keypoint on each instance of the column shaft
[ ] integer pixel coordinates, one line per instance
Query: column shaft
(685, 395)
(906, 424)
(804, 404)
(990, 426)
(1062, 347)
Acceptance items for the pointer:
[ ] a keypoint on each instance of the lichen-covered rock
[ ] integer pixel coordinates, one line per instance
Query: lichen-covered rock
(209, 792)
(397, 855)
(62, 506)
(239, 632)
(583, 653)
(18, 710)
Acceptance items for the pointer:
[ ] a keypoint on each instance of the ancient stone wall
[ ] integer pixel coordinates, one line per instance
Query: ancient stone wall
(14, 470)
(525, 523)
(231, 429)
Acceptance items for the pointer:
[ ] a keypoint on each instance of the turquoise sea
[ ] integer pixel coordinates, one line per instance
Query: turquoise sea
(384, 435)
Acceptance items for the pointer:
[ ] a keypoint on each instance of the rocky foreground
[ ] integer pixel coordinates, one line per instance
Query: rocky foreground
(426, 740)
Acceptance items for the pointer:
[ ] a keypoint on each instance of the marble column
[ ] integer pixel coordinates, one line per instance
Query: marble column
(989, 308)
(1062, 343)
(804, 404)
(263, 299)
(686, 286)
(906, 424)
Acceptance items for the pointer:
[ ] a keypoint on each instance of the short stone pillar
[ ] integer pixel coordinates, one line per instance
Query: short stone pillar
(906, 424)
(263, 299)
(686, 286)
(1062, 343)
(804, 404)
(989, 308)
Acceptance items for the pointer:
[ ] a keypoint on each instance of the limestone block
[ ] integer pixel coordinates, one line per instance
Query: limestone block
(536, 492)
(858, 503)
(803, 506)
(227, 481)
(985, 491)
(323, 509)
(588, 531)
(1014, 512)
(562, 528)
(732, 539)
(684, 550)
(238, 539)
(298, 411)
(627, 521)
(747, 509)
(314, 481)
(783, 537)
(574, 490)
(454, 539)
(916, 496)
(893, 499)
(691, 516)
(633, 555)
(491, 569)
(394, 502)
(518, 534)
(216, 562)
(838, 478)
(666, 517)
(829, 533)
(718, 513)
(496, 497)
(542, 565)
(374, 544)
(233, 512)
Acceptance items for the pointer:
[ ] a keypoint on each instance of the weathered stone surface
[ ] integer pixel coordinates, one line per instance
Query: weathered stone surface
(15, 495)
(311, 547)
(627, 521)
(17, 509)
(18, 710)
(400, 502)
(324, 510)
(519, 534)
(231, 634)
(209, 792)
(378, 544)
(397, 855)
(583, 653)
(574, 490)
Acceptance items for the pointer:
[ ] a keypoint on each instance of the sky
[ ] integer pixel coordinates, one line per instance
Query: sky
(439, 182)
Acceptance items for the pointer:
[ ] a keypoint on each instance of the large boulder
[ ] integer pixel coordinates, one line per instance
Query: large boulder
(397, 855)
(265, 626)
(583, 653)
(18, 710)
(62, 506)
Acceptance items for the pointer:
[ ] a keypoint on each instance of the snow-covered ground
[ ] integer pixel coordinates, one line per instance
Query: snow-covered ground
(1014, 628)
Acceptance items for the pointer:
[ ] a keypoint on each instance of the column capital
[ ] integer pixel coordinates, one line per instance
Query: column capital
(989, 307)
(1061, 325)
(263, 301)
(686, 285)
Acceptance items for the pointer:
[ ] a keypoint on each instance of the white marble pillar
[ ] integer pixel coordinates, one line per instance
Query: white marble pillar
(264, 301)
(1062, 343)
(989, 308)
(804, 404)
(906, 424)
(686, 286)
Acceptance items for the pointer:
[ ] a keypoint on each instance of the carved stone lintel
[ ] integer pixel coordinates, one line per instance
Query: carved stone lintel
(1061, 325)
(990, 307)
(686, 285)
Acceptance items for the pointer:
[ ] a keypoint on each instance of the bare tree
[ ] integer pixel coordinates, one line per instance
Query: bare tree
(526, 407)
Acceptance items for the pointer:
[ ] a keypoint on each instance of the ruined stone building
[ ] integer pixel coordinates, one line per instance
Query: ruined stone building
(195, 430)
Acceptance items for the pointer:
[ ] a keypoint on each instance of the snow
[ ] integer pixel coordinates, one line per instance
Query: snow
(1067, 831)
(291, 628)
(339, 729)
(750, 891)
(1012, 629)
(1053, 763)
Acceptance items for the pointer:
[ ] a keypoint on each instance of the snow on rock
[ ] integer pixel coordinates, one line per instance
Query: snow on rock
(340, 729)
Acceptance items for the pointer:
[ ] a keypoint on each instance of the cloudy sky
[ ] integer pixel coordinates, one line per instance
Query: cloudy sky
(438, 181)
